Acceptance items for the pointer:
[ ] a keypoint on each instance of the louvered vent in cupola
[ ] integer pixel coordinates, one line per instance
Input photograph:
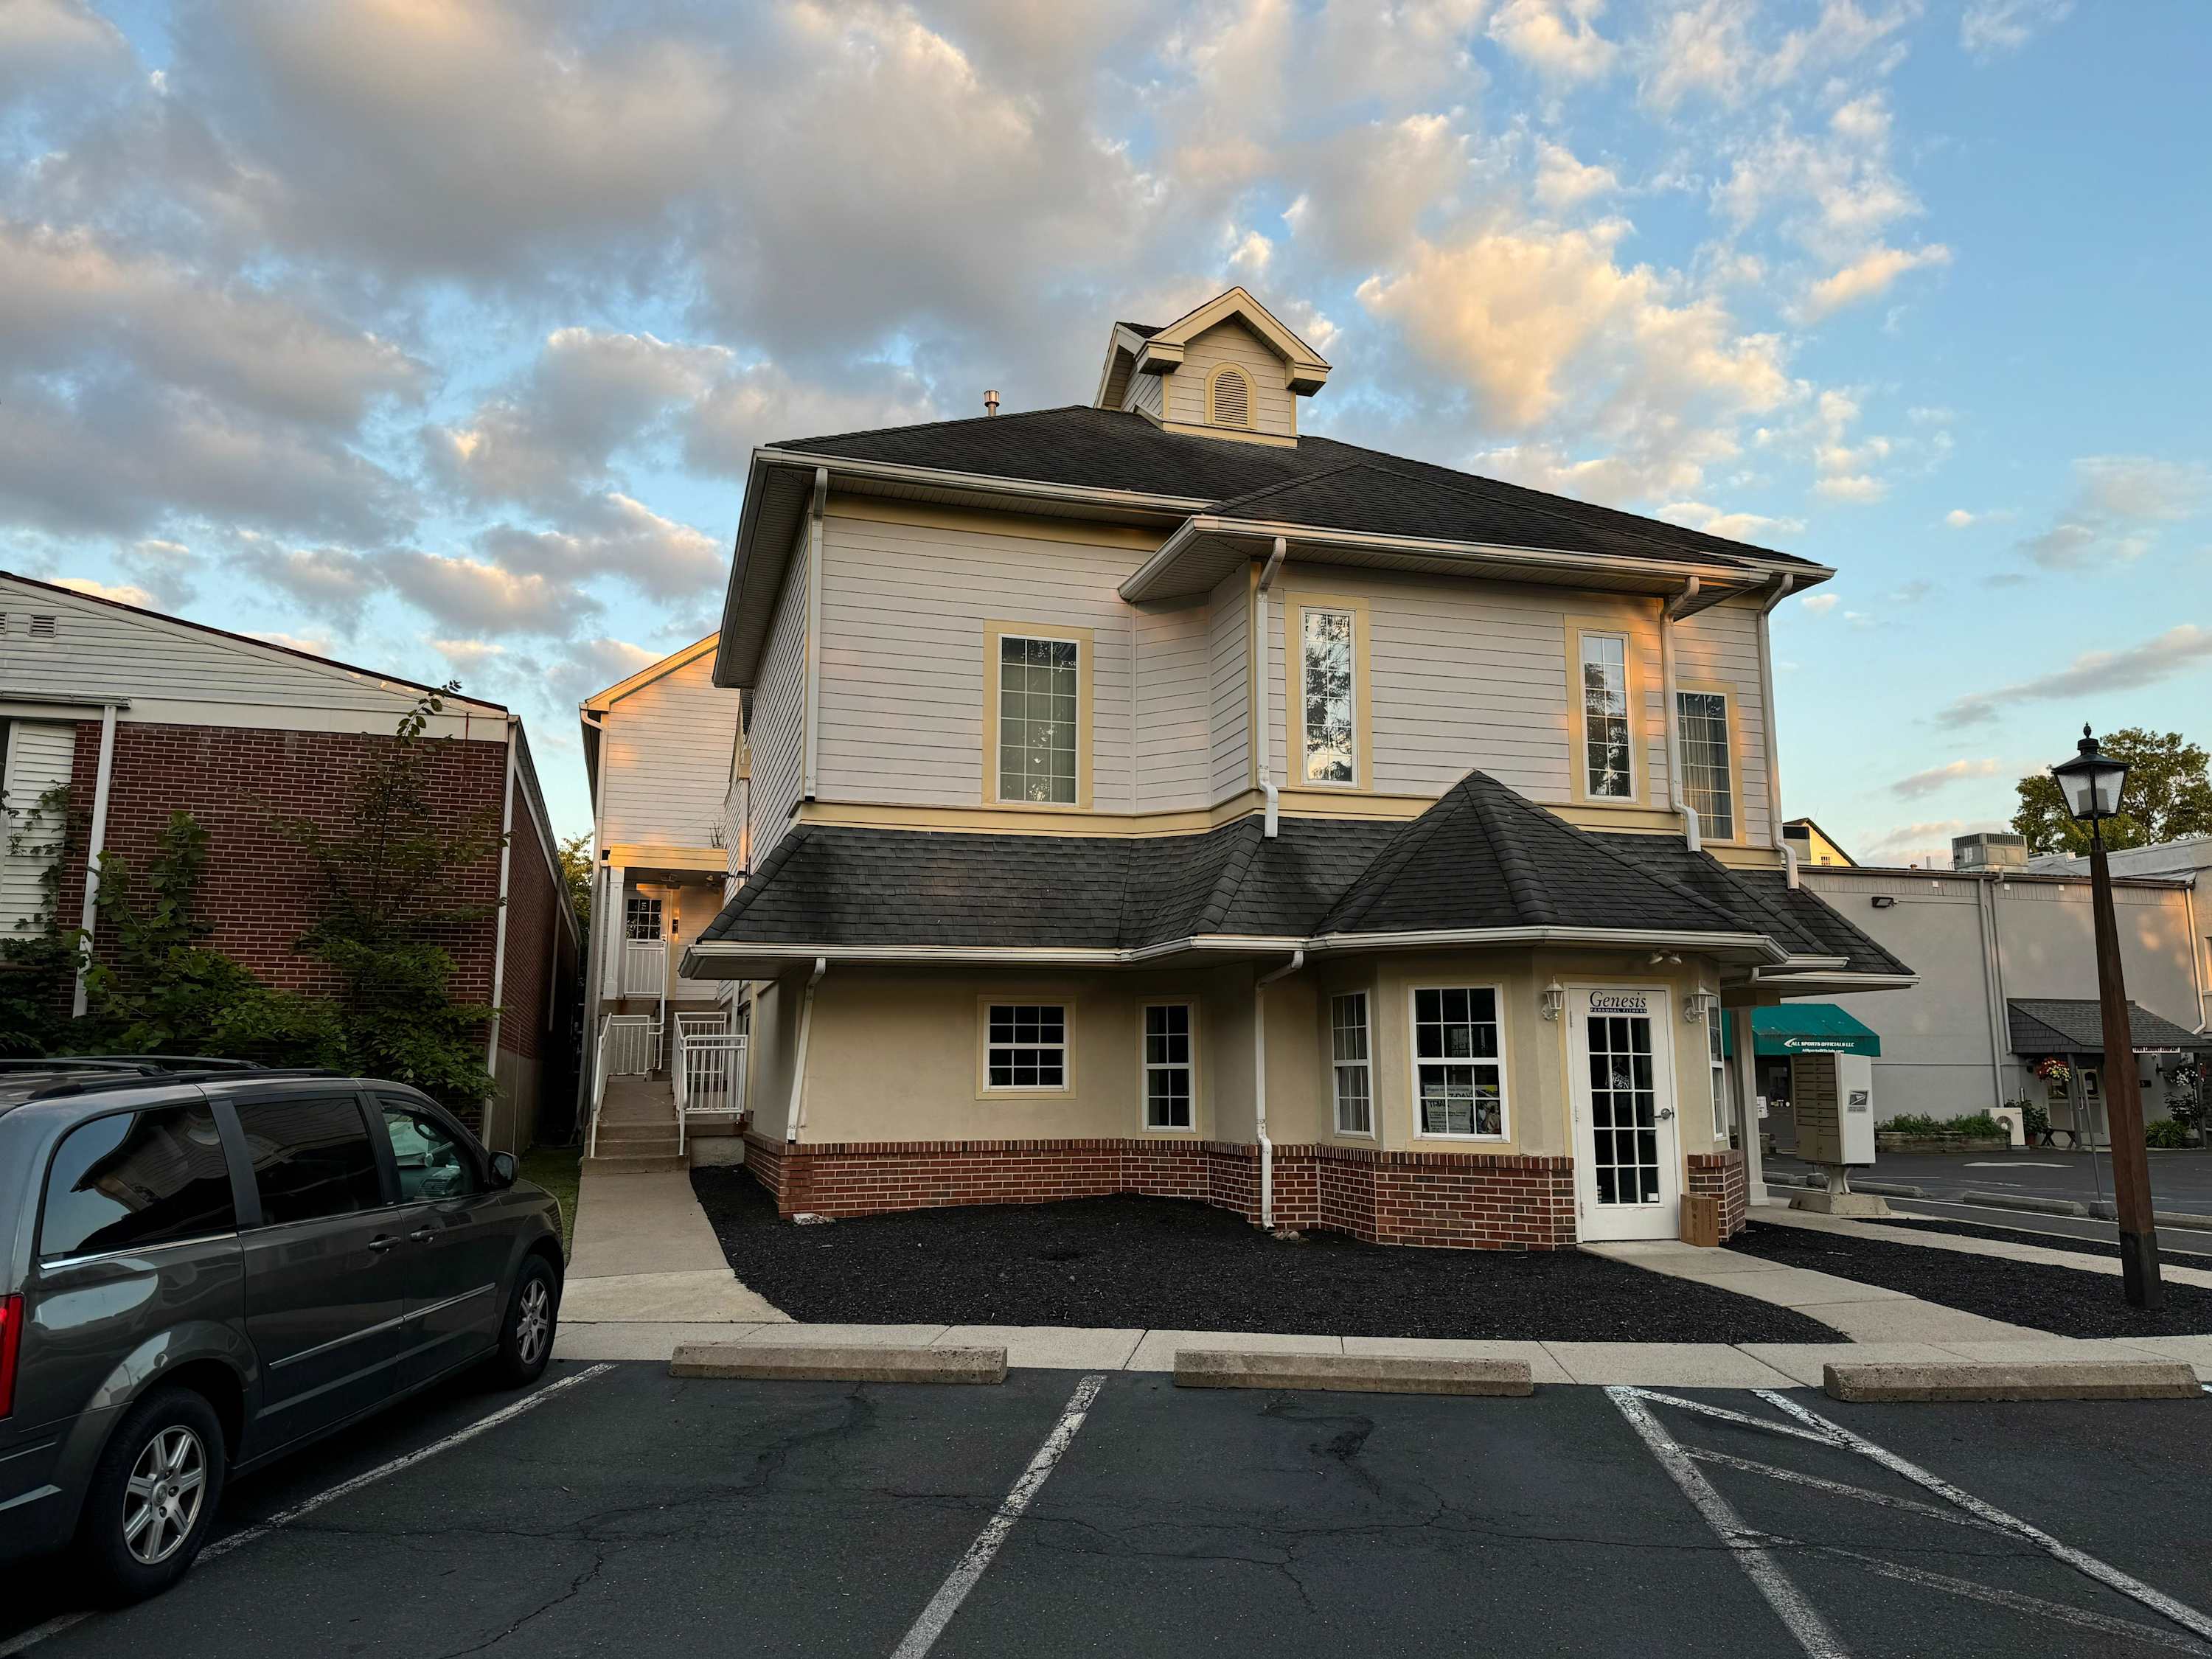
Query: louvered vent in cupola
(1232, 399)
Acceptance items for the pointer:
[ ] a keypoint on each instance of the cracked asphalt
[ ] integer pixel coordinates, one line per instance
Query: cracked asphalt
(642, 1514)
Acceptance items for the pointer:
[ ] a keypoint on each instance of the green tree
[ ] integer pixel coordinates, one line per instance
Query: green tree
(2168, 797)
(574, 856)
(38, 959)
(397, 886)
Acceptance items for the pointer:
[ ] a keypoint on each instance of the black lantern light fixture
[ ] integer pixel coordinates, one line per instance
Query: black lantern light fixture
(2091, 783)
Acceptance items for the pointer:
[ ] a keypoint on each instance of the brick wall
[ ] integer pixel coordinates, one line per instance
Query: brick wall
(534, 932)
(1726, 1175)
(1469, 1200)
(261, 892)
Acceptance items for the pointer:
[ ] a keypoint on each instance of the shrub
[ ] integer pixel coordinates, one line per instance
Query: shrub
(1977, 1125)
(1912, 1123)
(2165, 1134)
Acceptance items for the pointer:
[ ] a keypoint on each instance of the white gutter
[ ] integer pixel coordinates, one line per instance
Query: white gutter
(794, 1113)
(499, 939)
(810, 729)
(1260, 1085)
(94, 848)
(1783, 585)
(1668, 612)
(1263, 686)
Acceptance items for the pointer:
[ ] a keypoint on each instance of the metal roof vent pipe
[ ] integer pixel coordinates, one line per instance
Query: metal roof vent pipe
(990, 401)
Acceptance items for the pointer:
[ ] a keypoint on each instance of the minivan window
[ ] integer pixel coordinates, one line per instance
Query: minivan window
(311, 1157)
(136, 1179)
(432, 1164)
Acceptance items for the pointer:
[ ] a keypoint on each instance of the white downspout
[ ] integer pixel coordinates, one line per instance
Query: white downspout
(1783, 585)
(795, 1115)
(811, 736)
(94, 848)
(1985, 905)
(1674, 718)
(595, 945)
(1263, 683)
(499, 939)
(1260, 1084)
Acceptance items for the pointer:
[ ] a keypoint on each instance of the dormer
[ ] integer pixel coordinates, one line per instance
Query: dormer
(1229, 369)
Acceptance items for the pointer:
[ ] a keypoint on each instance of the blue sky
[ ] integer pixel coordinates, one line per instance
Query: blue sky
(435, 336)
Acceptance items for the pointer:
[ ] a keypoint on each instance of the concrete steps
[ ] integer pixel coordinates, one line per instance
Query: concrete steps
(637, 1127)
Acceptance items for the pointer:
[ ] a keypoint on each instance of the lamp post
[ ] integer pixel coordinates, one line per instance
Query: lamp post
(2091, 783)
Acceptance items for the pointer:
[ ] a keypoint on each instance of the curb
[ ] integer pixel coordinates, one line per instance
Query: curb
(1348, 1373)
(2089, 1379)
(839, 1362)
(2033, 1206)
(1879, 1188)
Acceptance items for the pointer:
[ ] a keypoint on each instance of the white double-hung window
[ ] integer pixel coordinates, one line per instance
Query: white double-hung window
(1459, 1071)
(1354, 1067)
(1718, 1063)
(1708, 783)
(1026, 1046)
(1168, 1066)
(1038, 685)
(1606, 774)
(1327, 639)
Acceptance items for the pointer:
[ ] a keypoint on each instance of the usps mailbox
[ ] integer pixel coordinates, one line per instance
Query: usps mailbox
(1833, 1095)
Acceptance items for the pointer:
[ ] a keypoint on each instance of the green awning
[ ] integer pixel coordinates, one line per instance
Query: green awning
(1803, 1028)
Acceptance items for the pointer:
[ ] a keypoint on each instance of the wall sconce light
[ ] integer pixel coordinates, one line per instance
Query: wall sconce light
(1701, 1005)
(1661, 958)
(1555, 999)
(1885, 900)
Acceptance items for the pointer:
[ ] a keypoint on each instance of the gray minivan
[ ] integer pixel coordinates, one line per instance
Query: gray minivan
(203, 1267)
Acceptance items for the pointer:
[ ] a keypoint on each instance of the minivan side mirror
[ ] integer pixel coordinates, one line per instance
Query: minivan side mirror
(504, 1169)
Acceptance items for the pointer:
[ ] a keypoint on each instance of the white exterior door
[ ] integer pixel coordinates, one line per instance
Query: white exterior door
(1621, 1078)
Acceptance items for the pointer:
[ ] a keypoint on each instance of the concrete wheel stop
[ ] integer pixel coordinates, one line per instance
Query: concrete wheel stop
(839, 1362)
(1350, 1373)
(2012, 1379)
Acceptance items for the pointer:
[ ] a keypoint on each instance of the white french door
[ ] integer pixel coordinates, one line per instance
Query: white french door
(1620, 1077)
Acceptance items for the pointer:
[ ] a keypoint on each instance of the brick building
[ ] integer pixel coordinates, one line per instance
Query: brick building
(139, 716)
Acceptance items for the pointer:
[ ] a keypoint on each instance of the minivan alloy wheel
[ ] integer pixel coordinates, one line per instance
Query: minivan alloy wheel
(167, 1484)
(534, 1321)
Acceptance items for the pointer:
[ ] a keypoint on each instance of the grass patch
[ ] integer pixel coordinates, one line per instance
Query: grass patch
(560, 1172)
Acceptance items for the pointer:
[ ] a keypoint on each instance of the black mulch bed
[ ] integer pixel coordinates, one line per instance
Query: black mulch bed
(2065, 1301)
(1163, 1263)
(2027, 1234)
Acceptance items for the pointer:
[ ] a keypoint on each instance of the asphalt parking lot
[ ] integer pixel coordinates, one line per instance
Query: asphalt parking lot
(2178, 1181)
(636, 1512)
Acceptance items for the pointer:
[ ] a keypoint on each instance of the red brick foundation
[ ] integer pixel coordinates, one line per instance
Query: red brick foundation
(1467, 1200)
(1725, 1175)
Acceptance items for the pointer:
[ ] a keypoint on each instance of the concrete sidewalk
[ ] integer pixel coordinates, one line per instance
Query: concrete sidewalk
(645, 1253)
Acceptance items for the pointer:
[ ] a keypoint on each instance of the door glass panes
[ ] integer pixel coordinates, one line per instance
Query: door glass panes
(1706, 783)
(1605, 717)
(1623, 1110)
(1027, 1046)
(641, 919)
(432, 1164)
(1327, 637)
(1036, 719)
(1347, 1038)
(1167, 1066)
(311, 1157)
(135, 1180)
(1461, 1082)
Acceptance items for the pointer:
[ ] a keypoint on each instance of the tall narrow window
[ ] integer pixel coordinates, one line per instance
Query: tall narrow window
(1707, 783)
(1718, 1063)
(1605, 768)
(1026, 1046)
(1327, 642)
(1036, 719)
(1347, 1034)
(1167, 1089)
(1459, 1076)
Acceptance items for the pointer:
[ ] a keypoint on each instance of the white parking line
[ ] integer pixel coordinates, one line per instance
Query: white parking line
(24, 1641)
(954, 1591)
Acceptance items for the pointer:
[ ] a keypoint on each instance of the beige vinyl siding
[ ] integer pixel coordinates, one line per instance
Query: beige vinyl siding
(904, 605)
(780, 712)
(1145, 393)
(173, 673)
(1173, 732)
(666, 759)
(1229, 675)
(1720, 647)
(1274, 410)
(40, 754)
(1473, 675)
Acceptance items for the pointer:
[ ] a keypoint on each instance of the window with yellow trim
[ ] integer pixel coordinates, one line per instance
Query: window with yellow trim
(1038, 705)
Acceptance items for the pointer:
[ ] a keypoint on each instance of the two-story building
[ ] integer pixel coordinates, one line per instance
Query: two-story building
(1147, 796)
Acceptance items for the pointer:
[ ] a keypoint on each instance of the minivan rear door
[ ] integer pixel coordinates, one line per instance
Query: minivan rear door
(325, 1258)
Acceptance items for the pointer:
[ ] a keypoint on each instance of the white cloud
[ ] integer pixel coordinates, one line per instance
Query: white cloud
(1959, 519)
(42, 41)
(1918, 784)
(1563, 182)
(1819, 603)
(1559, 39)
(1737, 526)
(1987, 27)
(122, 593)
(616, 537)
(314, 645)
(2119, 504)
(2094, 673)
(1925, 846)
(1718, 49)
(1869, 278)
(483, 599)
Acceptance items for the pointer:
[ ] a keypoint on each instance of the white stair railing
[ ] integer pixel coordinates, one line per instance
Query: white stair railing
(644, 969)
(709, 1076)
(599, 1089)
(631, 1045)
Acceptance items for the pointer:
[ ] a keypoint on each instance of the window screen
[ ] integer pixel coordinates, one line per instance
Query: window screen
(136, 1179)
(311, 1157)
